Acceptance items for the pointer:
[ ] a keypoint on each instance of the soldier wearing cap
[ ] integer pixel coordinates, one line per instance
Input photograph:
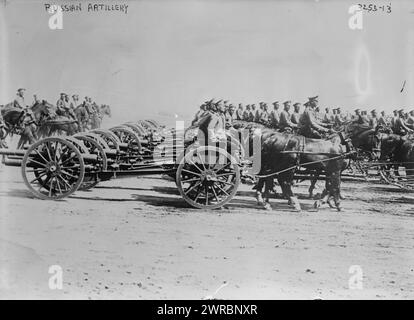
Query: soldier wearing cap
(364, 117)
(36, 100)
(355, 117)
(246, 113)
(229, 116)
(264, 116)
(19, 102)
(61, 105)
(373, 121)
(382, 120)
(75, 101)
(239, 112)
(401, 127)
(339, 119)
(309, 126)
(394, 118)
(329, 117)
(258, 113)
(284, 120)
(410, 120)
(274, 116)
(296, 113)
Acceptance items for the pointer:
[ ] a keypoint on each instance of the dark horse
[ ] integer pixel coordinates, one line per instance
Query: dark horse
(49, 123)
(397, 151)
(365, 140)
(18, 121)
(282, 154)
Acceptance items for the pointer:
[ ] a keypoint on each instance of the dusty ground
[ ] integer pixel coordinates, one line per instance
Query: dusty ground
(135, 238)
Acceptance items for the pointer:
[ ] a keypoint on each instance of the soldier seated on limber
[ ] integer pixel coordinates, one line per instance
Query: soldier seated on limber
(308, 125)
(401, 127)
(285, 124)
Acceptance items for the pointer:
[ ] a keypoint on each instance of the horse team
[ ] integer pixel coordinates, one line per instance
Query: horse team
(310, 146)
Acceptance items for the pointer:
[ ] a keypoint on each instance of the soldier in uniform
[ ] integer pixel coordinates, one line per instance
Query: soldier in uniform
(258, 113)
(229, 116)
(253, 112)
(382, 120)
(264, 116)
(394, 120)
(373, 121)
(274, 116)
(364, 117)
(75, 101)
(296, 113)
(36, 100)
(329, 117)
(308, 124)
(410, 120)
(239, 112)
(339, 120)
(284, 121)
(401, 127)
(61, 107)
(19, 102)
(246, 113)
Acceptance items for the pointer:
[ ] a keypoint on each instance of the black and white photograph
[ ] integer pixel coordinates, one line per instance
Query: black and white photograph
(206, 150)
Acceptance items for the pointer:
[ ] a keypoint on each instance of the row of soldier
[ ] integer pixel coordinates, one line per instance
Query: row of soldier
(64, 105)
(310, 121)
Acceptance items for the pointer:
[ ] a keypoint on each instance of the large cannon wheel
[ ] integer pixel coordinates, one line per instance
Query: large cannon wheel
(110, 138)
(136, 127)
(207, 177)
(90, 179)
(129, 137)
(52, 168)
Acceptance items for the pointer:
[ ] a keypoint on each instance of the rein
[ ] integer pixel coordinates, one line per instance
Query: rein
(343, 155)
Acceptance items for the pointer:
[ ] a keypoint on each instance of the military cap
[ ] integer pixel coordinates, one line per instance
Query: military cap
(286, 102)
(357, 110)
(401, 110)
(315, 98)
(306, 104)
(296, 104)
(63, 94)
(373, 110)
(21, 89)
(276, 102)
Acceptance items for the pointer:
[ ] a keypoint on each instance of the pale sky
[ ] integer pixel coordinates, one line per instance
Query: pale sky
(170, 56)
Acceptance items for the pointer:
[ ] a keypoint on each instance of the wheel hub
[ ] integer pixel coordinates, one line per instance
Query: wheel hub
(53, 167)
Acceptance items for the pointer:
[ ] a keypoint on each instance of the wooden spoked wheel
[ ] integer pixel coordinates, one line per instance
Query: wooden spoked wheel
(52, 168)
(110, 138)
(136, 128)
(90, 179)
(207, 177)
(129, 137)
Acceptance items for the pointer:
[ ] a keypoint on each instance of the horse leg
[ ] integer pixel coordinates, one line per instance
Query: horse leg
(325, 194)
(287, 179)
(314, 179)
(268, 188)
(258, 187)
(336, 189)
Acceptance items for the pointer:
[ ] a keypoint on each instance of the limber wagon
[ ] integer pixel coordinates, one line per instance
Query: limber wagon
(55, 167)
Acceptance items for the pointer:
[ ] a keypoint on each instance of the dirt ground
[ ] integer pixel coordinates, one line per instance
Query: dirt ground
(135, 238)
